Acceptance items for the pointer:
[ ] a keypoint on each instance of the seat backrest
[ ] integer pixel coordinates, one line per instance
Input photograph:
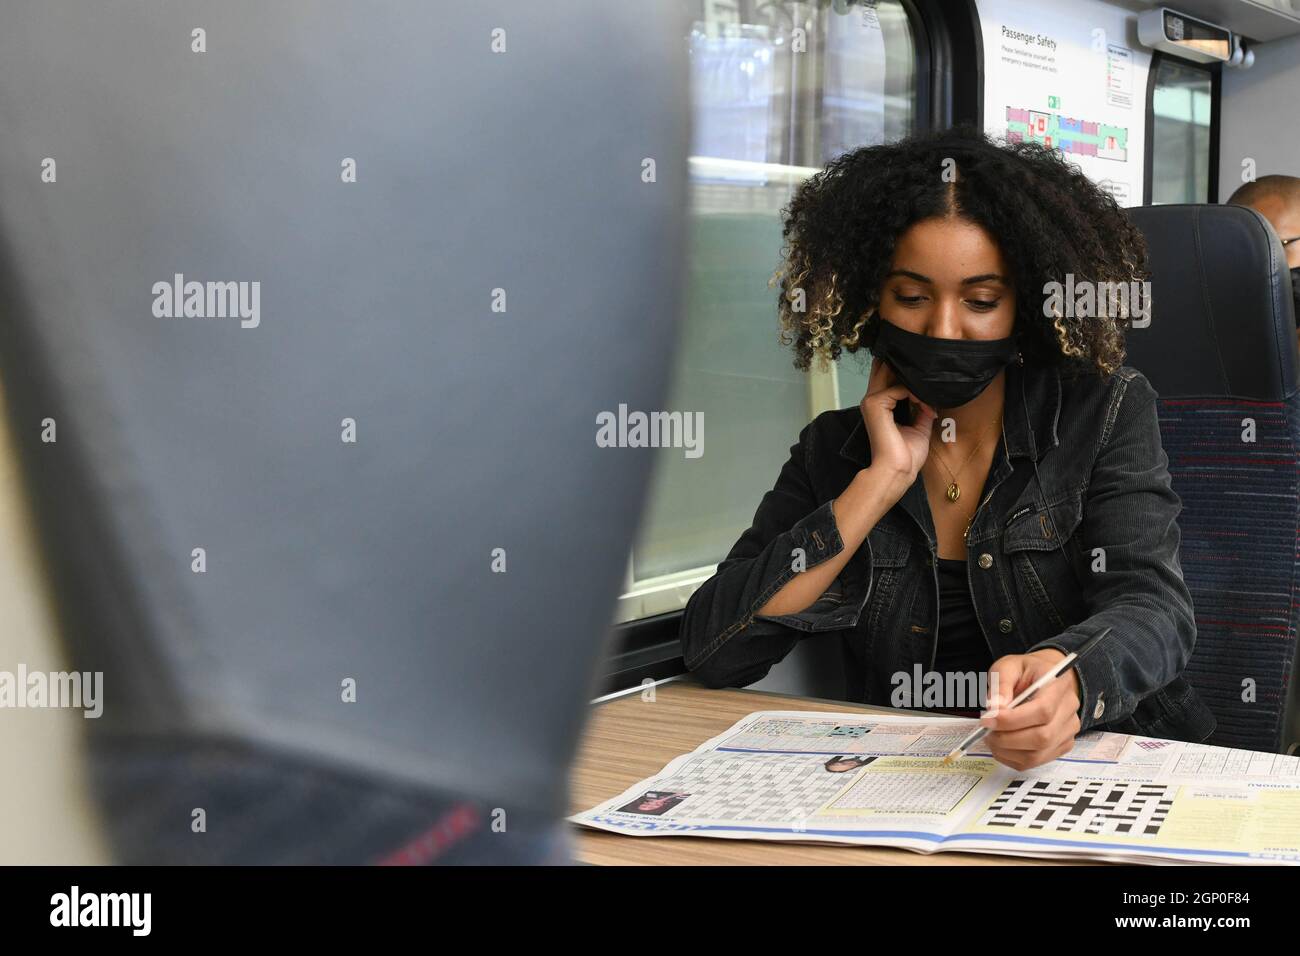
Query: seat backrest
(1220, 350)
(347, 508)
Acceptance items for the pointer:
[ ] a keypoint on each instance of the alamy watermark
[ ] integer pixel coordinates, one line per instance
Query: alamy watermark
(208, 300)
(53, 689)
(955, 689)
(133, 911)
(1085, 299)
(626, 429)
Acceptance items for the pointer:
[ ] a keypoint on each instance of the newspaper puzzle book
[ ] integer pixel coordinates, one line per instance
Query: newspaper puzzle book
(880, 781)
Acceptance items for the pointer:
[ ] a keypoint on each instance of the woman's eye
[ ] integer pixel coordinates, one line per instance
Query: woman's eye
(909, 299)
(983, 305)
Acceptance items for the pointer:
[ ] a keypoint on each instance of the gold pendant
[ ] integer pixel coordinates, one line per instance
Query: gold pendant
(954, 492)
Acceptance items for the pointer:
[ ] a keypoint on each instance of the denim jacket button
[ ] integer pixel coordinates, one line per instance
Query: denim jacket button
(1005, 625)
(986, 560)
(1099, 709)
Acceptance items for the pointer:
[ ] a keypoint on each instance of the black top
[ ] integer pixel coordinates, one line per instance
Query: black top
(961, 642)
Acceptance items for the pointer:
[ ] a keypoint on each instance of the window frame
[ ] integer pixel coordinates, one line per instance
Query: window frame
(1215, 73)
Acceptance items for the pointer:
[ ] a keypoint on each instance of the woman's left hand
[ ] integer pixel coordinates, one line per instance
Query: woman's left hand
(1043, 727)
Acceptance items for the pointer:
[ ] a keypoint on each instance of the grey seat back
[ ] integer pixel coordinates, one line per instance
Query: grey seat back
(364, 523)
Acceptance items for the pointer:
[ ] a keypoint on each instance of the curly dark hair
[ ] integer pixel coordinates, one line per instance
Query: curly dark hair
(1047, 217)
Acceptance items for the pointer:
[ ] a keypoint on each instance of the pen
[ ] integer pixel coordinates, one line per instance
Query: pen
(1061, 666)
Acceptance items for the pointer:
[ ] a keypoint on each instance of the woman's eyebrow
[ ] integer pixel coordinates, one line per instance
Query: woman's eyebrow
(910, 275)
(971, 280)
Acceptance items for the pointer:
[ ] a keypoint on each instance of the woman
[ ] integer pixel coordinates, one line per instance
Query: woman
(1000, 495)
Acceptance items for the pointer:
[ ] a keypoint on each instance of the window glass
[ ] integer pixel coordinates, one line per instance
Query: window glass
(778, 89)
(1180, 145)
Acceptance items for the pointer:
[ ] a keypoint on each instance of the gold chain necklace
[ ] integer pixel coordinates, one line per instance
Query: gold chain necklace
(954, 489)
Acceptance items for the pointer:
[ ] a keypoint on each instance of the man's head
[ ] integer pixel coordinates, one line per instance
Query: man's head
(1277, 199)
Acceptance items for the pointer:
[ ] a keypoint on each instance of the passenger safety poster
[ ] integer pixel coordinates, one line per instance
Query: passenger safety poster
(1071, 77)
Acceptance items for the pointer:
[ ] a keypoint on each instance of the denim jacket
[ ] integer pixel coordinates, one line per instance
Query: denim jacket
(1088, 540)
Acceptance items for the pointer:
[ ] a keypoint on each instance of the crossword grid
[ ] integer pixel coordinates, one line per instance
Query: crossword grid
(767, 788)
(1081, 806)
(894, 791)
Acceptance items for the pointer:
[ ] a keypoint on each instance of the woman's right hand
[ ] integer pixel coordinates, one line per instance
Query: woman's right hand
(897, 451)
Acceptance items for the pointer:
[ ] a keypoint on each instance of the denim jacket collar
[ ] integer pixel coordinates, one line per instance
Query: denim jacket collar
(1026, 435)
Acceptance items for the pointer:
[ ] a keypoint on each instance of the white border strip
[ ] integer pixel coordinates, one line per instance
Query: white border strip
(637, 689)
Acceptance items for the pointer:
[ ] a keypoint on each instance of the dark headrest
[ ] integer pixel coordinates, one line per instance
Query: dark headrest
(1222, 321)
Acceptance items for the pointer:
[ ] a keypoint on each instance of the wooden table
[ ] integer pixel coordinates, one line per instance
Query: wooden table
(629, 739)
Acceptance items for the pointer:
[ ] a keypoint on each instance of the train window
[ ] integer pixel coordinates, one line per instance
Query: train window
(778, 89)
(1181, 107)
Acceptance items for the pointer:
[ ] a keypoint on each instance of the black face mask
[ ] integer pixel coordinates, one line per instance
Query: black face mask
(1295, 293)
(943, 373)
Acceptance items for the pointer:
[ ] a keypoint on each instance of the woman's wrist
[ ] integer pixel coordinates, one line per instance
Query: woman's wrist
(884, 483)
(871, 493)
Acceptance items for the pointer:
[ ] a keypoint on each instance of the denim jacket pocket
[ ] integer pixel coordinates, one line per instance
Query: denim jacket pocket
(1040, 528)
(888, 554)
(1037, 527)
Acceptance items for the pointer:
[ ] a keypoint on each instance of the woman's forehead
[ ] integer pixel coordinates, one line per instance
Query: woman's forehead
(948, 249)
